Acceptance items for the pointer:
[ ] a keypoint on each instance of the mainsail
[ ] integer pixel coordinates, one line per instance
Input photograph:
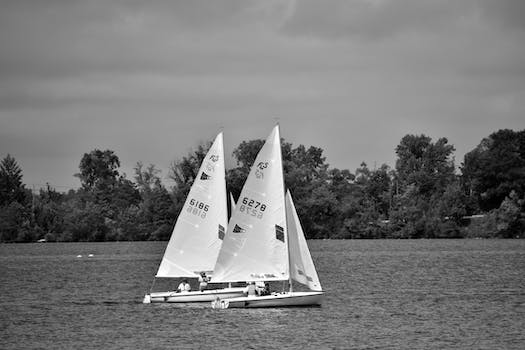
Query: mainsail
(201, 225)
(255, 247)
(302, 267)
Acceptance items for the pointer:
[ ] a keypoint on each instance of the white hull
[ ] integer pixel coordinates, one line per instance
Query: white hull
(193, 296)
(272, 300)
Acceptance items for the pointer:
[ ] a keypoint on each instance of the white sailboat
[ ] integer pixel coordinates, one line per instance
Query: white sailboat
(265, 241)
(198, 233)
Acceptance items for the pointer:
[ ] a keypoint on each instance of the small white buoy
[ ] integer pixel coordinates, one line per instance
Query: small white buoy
(79, 256)
(90, 255)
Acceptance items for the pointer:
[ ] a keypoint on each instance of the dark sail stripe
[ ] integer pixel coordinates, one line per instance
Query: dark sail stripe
(279, 233)
(221, 232)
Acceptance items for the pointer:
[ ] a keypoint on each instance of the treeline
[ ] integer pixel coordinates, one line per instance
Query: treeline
(423, 196)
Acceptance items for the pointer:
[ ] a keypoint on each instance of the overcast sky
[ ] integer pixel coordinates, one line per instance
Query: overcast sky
(151, 80)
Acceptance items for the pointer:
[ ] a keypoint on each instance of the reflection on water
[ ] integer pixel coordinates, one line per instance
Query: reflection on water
(433, 294)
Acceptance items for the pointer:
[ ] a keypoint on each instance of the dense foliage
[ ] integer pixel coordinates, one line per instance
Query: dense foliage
(424, 196)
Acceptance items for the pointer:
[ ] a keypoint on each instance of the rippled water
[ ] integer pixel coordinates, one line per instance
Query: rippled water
(380, 294)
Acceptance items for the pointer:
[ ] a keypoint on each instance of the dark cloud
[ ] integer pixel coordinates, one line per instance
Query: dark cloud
(507, 13)
(52, 38)
(369, 19)
(151, 79)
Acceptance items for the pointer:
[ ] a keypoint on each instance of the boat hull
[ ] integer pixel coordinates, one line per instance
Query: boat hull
(194, 296)
(289, 299)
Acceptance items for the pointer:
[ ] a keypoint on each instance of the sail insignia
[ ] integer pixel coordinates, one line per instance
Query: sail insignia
(238, 229)
(279, 233)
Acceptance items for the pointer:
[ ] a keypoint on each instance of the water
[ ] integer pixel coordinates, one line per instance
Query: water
(380, 294)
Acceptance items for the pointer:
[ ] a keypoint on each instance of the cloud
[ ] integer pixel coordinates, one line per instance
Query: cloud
(52, 38)
(151, 79)
(372, 19)
(506, 13)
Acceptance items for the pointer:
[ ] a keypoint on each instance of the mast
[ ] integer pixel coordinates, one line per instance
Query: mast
(286, 216)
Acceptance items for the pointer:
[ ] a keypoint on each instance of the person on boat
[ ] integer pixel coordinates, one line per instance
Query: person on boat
(259, 286)
(250, 290)
(203, 281)
(184, 286)
(266, 290)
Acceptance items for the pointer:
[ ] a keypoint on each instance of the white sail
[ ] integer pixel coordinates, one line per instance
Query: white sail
(232, 203)
(201, 225)
(255, 247)
(302, 267)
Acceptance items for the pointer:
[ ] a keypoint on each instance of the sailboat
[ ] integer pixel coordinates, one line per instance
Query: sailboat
(264, 241)
(198, 233)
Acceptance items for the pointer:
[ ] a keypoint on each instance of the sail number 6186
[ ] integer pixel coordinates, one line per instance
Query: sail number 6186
(198, 208)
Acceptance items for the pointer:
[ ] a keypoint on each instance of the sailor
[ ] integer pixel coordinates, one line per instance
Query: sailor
(259, 286)
(266, 290)
(203, 281)
(184, 286)
(250, 290)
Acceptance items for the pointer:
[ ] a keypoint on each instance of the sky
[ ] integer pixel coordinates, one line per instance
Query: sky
(151, 80)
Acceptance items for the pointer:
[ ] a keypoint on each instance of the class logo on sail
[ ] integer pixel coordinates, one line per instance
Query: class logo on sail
(259, 171)
(238, 229)
(210, 166)
(205, 176)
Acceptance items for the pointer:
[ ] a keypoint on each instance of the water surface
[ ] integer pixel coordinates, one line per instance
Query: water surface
(380, 294)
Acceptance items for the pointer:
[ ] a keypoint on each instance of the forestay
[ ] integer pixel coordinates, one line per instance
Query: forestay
(255, 247)
(201, 225)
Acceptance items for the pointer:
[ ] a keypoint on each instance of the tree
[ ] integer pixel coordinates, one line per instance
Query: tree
(11, 187)
(319, 212)
(365, 202)
(98, 168)
(14, 219)
(375, 188)
(424, 171)
(303, 168)
(157, 210)
(147, 178)
(495, 168)
(85, 223)
(426, 165)
(124, 194)
(429, 166)
(48, 213)
(15, 213)
(507, 221)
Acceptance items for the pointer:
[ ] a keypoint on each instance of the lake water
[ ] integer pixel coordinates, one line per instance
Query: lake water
(380, 294)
